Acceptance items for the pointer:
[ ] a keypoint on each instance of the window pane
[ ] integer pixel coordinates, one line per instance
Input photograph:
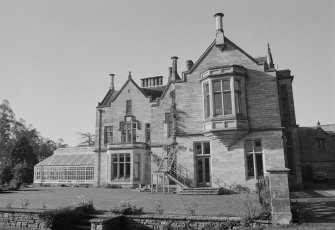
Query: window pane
(259, 163)
(121, 158)
(238, 102)
(227, 103)
(226, 85)
(200, 172)
(217, 104)
(134, 136)
(127, 158)
(198, 149)
(258, 146)
(217, 86)
(207, 173)
(128, 135)
(206, 88)
(121, 171)
(250, 165)
(127, 170)
(237, 85)
(207, 149)
(128, 106)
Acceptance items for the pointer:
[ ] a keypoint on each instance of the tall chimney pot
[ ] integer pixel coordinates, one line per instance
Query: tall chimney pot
(219, 31)
(111, 86)
(174, 68)
(170, 73)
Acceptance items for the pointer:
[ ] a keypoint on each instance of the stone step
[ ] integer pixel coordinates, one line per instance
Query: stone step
(200, 191)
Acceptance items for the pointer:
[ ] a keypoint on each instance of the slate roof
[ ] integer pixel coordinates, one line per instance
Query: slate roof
(154, 92)
(261, 60)
(329, 128)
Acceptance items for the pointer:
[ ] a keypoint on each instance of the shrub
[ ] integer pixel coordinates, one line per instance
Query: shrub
(85, 204)
(190, 207)
(60, 219)
(113, 186)
(131, 207)
(159, 207)
(241, 189)
(25, 203)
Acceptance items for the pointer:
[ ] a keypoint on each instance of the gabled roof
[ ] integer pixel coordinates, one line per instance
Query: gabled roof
(226, 40)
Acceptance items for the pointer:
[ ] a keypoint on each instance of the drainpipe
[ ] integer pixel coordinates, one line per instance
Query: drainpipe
(99, 148)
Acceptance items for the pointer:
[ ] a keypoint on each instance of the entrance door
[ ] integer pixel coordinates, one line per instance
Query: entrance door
(203, 171)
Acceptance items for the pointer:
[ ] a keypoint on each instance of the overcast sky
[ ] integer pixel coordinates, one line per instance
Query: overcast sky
(55, 55)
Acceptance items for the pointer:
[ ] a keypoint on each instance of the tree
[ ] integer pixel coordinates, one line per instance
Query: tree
(6, 118)
(23, 152)
(60, 143)
(87, 139)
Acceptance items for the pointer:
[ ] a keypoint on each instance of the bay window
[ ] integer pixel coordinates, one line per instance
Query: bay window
(225, 94)
(120, 166)
(128, 129)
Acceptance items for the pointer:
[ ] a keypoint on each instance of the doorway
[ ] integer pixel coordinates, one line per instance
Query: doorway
(203, 171)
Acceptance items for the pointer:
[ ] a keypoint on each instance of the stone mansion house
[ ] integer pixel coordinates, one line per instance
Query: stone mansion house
(226, 119)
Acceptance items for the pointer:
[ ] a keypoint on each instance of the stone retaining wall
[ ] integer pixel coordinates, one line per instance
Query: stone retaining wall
(179, 222)
(17, 218)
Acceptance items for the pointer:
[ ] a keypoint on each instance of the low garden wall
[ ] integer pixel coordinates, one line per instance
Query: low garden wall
(16, 218)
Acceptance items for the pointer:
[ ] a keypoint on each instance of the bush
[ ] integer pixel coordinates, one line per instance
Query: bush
(59, 219)
(131, 207)
(85, 204)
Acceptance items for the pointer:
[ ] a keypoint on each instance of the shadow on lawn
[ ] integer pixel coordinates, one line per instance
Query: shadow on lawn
(317, 211)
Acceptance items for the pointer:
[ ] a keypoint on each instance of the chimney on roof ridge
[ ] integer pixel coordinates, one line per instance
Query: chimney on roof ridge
(219, 31)
(111, 86)
(174, 75)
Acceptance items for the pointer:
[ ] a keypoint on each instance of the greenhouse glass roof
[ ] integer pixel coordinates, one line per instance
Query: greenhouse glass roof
(68, 157)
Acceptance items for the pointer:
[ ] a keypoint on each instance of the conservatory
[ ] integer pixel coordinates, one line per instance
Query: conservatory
(66, 166)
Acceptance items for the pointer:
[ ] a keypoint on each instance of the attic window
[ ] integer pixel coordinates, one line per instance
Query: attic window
(128, 107)
(321, 144)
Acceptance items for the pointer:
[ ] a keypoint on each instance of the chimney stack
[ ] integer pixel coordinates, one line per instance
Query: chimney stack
(189, 65)
(170, 73)
(219, 31)
(111, 86)
(174, 75)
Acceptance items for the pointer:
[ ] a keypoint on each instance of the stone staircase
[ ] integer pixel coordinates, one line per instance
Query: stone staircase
(183, 178)
(201, 191)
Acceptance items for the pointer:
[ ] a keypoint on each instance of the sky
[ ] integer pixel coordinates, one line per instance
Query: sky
(56, 55)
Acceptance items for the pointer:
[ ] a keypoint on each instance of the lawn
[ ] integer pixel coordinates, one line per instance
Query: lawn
(105, 199)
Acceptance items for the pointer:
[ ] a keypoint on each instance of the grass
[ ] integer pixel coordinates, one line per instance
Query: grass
(105, 199)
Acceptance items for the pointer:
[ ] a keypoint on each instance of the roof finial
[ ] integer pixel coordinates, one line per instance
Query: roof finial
(129, 76)
(270, 59)
(318, 124)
